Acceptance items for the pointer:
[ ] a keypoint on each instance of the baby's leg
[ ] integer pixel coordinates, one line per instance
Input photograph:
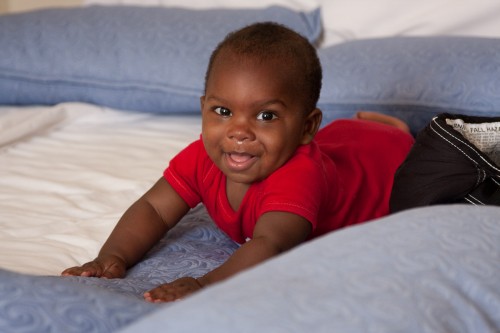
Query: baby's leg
(382, 118)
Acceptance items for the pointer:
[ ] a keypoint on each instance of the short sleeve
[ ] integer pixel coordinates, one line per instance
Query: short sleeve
(184, 170)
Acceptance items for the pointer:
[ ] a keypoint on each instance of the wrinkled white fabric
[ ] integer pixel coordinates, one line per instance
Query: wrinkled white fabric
(68, 172)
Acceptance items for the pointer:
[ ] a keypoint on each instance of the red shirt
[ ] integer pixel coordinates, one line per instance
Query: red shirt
(343, 177)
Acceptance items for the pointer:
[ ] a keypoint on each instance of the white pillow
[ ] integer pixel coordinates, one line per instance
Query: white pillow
(359, 19)
(302, 5)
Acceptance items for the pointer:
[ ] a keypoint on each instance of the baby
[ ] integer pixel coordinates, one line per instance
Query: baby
(265, 174)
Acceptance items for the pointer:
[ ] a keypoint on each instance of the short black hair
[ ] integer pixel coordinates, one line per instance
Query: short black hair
(269, 40)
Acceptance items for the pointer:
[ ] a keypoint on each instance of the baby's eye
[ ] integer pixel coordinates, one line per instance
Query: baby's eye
(266, 116)
(222, 111)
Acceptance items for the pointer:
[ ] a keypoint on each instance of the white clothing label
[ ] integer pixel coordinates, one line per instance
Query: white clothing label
(485, 136)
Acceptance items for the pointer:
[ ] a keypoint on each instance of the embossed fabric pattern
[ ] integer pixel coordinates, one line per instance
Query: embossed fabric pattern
(53, 304)
(432, 269)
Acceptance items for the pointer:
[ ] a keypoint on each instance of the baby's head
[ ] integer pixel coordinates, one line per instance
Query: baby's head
(259, 106)
(272, 42)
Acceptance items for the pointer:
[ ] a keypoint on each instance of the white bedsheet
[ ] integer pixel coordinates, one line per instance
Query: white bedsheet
(68, 172)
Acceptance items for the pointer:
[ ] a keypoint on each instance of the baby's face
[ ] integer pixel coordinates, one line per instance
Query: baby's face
(253, 117)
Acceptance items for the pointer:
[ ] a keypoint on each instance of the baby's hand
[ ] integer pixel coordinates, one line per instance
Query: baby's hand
(108, 267)
(173, 291)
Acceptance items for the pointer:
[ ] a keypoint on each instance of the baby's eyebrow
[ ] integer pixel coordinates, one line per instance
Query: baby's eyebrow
(270, 102)
(215, 98)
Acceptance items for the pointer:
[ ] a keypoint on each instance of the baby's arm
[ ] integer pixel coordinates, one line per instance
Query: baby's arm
(140, 227)
(275, 232)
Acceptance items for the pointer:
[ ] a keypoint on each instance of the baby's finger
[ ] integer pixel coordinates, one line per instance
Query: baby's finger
(67, 272)
(75, 271)
(163, 293)
(87, 270)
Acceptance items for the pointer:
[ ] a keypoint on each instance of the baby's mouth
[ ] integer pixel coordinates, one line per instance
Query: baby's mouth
(240, 157)
(239, 161)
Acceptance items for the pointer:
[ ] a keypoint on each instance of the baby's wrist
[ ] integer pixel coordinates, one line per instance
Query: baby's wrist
(201, 282)
(112, 257)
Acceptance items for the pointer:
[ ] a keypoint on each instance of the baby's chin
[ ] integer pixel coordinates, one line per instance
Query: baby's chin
(242, 179)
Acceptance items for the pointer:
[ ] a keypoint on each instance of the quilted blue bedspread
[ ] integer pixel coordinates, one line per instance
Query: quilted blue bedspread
(433, 269)
(75, 304)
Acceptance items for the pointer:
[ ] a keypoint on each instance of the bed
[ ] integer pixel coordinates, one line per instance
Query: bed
(93, 106)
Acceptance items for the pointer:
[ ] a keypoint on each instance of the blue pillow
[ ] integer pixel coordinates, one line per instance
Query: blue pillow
(413, 78)
(139, 58)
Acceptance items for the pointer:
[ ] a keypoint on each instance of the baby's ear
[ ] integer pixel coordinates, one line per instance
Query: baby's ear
(311, 126)
(202, 101)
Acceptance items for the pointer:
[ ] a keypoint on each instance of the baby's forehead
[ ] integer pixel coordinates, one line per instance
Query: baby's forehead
(272, 62)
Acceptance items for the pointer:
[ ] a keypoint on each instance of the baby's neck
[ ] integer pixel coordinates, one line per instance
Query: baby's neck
(235, 193)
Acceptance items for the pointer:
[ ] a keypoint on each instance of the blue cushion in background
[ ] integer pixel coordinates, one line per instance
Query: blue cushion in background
(139, 58)
(413, 78)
